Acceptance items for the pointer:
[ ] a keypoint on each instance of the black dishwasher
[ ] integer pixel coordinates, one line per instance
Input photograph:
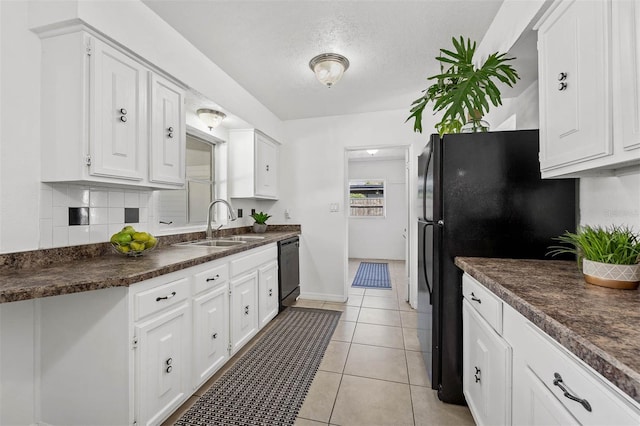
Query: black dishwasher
(288, 271)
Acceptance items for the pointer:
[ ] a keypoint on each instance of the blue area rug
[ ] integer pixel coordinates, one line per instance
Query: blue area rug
(372, 275)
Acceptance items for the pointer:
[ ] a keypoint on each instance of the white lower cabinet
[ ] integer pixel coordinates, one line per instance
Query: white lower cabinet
(268, 283)
(162, 364)
(486, 372)
(132, 355)
(244, 309)
(521, 376)
(210, 333)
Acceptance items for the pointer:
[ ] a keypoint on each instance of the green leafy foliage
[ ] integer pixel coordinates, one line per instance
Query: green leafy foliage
(461, 90)
(260, 217)
(616, 245)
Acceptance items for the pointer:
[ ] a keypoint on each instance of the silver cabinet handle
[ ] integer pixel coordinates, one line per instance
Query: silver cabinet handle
(169, 369)
(562, 76)
(477, 374)
(270, 292)
(214, 278)
(173, 293)
(170, 129)
(123, 118)
(169, 361)
(474, 298)
(246, 310)
(557, 381)
(170, 135)
(214, 336)
(562, 86)
(123, 111)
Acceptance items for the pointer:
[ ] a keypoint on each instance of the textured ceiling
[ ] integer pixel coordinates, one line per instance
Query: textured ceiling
(266, 47)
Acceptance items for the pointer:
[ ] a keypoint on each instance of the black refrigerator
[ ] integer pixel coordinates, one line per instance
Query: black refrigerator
(480, 194)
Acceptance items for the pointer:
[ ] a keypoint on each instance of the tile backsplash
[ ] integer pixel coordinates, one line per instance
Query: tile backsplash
(63, 208)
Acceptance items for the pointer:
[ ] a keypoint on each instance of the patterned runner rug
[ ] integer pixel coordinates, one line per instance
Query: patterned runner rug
(268, 384)
(372, 275)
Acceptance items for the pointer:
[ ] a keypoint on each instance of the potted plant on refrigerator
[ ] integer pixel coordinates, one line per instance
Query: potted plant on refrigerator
(260, 224)
(462, 90)
(610, 257)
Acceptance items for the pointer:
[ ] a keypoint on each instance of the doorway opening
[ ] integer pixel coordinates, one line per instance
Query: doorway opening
(377, 205)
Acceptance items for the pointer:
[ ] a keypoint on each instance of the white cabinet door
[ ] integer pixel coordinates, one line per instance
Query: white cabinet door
(486, 370)
(244, 309)
(117, 113)
(626, 83)
(168, 136)
(266, 172)
(210, 333)
(162, 365)
(575, 106)
(268, 281)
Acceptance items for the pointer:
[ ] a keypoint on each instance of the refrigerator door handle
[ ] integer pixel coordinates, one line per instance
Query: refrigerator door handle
(424, 264)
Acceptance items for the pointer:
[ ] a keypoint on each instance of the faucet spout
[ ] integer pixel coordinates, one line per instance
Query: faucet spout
(232, 215)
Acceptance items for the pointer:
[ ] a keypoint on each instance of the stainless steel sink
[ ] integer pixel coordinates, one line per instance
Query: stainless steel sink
(211, 243)
(243, 238)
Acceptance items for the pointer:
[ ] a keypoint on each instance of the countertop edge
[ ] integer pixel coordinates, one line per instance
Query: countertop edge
(17, 294)
(618, 373)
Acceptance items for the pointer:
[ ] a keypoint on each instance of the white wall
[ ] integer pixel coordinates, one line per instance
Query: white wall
(380, 237)
(315, 156)
(611, 200)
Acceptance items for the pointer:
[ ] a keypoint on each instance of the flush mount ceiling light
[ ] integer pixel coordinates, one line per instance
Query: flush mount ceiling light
(210, 117)
(329, 67)
(372, 151)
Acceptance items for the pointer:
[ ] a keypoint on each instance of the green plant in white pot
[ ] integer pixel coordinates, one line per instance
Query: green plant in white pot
(462, 90)
(260, 224)
(610, 256)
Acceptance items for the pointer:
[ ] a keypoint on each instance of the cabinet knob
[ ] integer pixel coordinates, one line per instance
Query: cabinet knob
(169, 361)
(214, 336)
(562, 86)
(123, 111)
(170, 129)
(477, 375)
(270, 292)
(267, 167)
(169, 368)
(246, 310)
(562, 76)
(123, 118)
(170, 135)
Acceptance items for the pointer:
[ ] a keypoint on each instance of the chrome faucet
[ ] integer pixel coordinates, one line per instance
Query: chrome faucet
(232, 215)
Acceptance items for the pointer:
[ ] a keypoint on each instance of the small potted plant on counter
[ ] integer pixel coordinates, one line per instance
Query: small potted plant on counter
(260, 224)
(610, 257)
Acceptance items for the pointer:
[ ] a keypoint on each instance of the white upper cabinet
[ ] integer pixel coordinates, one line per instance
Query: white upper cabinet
(626, 86)
(106, 115)
(253, 165)
(168, 134)
(117, 90)
(577, 64)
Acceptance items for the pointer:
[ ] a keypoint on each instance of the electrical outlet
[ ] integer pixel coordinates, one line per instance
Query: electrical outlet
(239, 213)
(253, 211)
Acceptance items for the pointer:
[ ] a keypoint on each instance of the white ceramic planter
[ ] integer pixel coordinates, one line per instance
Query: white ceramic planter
(259, 228)
(612, 276)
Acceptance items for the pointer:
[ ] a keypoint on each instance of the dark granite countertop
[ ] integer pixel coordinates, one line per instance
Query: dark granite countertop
(601, 326)
(54, 272)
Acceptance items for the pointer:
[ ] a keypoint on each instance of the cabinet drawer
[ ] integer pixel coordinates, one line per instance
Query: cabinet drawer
(158, 298)
(546, 360)
(253, 260)
(211, 278)
(482, 300)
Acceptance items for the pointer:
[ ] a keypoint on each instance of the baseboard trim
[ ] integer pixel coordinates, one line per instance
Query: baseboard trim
(338, 298)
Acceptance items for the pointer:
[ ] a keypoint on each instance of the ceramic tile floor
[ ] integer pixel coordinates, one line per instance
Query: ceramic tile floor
(372, 372)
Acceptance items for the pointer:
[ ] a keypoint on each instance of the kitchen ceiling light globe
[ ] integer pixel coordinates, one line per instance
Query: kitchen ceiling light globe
(210, 117)
(329, 68)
